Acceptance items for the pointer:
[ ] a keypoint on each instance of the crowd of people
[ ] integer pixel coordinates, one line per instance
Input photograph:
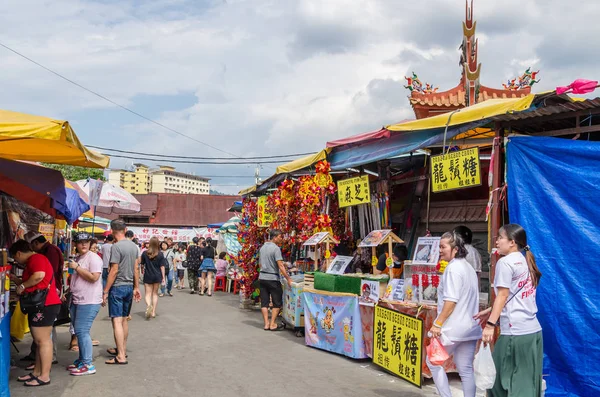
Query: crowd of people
(108, 275)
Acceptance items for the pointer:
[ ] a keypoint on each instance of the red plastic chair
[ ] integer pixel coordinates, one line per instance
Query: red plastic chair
(236, 286)
(220, 283)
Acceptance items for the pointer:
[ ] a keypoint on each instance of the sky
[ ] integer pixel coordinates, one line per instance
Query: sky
(267, 77)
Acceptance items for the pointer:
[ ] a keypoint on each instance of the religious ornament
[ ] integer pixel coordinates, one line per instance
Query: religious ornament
(415, 85)
(526, 80)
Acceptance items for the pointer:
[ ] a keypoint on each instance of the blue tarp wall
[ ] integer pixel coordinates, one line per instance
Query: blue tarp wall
(554, 193)
(4, 355)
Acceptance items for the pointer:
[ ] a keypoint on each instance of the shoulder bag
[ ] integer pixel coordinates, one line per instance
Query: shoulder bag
(34, 302)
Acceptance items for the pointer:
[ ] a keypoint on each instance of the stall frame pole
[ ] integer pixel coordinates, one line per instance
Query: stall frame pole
(495, 210)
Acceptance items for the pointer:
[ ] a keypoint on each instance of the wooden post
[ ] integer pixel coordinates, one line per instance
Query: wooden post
(495, 210)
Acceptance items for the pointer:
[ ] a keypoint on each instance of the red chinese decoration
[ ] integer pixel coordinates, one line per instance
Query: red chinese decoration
(251, 238)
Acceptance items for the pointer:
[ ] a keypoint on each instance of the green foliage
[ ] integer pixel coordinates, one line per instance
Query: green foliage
(74, 173)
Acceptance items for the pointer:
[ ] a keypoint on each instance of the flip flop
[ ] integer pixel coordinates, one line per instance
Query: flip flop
(280, 327)
(20, 378)
(30, 367)
(95, 343)
(39, 382)
(74, 348)
(114, 361)
(114, 352)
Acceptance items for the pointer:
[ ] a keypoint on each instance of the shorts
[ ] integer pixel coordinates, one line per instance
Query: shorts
(180, 273)
(120, 299)
(44, 318)
(271, 290)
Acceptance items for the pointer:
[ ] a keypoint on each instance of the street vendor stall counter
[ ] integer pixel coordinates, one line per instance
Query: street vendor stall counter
(293, 306)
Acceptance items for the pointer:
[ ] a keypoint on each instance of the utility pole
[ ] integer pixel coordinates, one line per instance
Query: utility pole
(257, 174)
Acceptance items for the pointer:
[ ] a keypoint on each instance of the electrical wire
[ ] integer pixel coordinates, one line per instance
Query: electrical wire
(115, 103)
(196, 162)
(197, 158)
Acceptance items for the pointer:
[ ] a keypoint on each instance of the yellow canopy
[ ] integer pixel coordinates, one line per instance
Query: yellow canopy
(247, 190)
(36, 138)
(303, 162)
(489, 108)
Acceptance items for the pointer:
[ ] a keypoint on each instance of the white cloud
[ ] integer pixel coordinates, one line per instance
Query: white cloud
(267, 76)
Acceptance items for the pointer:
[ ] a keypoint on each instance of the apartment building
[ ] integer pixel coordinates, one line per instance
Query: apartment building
(165, 179)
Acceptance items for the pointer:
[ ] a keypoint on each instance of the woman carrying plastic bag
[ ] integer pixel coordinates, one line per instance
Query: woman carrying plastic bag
(518, 351)
(458, 303)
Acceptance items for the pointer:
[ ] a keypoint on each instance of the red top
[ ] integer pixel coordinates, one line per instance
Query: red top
(57, 260)
(39, 263)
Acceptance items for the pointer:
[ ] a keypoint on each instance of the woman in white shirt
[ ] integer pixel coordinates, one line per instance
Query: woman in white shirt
(178, 261)
(458, 303)
(518, 351)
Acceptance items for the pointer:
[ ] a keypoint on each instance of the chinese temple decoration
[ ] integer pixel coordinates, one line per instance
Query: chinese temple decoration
(524, 81)
(415, 85)
(251, 238)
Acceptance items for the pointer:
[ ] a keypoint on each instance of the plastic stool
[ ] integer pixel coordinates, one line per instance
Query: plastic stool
(220, 282)
(236, 286)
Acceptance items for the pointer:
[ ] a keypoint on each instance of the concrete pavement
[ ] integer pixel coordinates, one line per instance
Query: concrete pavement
(202, 346)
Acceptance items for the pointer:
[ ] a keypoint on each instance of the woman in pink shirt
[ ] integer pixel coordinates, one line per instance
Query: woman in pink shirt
(86, 289)
(221, 265)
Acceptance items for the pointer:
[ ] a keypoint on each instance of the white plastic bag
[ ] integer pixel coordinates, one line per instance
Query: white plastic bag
(485, 370)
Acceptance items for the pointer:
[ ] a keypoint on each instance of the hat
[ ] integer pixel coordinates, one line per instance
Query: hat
(82, 236)
(32, 235)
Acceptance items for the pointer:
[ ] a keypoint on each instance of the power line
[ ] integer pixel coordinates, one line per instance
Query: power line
(198, 158)
(113, 102)
(197, 162)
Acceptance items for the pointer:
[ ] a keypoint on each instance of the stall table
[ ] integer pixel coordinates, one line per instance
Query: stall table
(293, 307)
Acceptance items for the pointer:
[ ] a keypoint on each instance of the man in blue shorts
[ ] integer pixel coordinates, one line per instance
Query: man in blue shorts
(121, 288)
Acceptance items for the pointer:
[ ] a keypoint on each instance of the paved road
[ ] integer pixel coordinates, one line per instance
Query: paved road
(201, 346)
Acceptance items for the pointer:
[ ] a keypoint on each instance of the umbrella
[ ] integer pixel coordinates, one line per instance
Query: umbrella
(229, 233)
(230, 226)
(111, 197)
(236, 207)
(36, 138)
(42, 188)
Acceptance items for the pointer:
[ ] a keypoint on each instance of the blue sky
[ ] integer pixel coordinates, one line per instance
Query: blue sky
(267, 77)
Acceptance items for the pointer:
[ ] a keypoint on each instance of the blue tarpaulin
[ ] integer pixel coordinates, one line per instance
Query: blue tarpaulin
(4, 355)
(553, 190)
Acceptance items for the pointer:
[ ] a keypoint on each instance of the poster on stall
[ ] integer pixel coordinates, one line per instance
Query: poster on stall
(339, 264)
(353, 191)
(316, 238)
(332, 323)
(293, 312)
(455, 170)
(398, 344)
(427, 251)
(395, 290)
(47, 230)
(369, 292)
(374, 238)
(264, 217)
(421, 283)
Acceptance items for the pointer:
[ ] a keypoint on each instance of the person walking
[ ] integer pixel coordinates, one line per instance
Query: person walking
(518, 352)
(86, 298)
(271, 269)
(153, 265)
(105, 251)
(194, 259)
(122, 287)
(169, 254)
(37, 276)
(179, 260)
(458, 302)
(207, 268)
(40, 245)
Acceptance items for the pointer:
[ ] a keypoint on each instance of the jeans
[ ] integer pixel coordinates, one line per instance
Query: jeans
(82, 317)
(464, 354)
(104, 278)
(169, 285)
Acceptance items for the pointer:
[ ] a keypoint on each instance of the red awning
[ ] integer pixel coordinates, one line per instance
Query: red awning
(382, 133)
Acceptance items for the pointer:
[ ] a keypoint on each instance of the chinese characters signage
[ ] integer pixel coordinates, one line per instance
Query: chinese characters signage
(455, 170)
(353, 191)
(264, 217)
(398, 344)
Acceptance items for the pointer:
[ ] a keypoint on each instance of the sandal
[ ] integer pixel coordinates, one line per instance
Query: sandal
(280, 327)
(113, 351)
(114, 361)
(95, 343)
(74, 348)
(148, 312)
(30, 367)
(38, 380)
(28, 377)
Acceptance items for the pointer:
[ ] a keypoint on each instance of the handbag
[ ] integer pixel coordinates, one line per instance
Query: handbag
(34, 302)
(64, 315)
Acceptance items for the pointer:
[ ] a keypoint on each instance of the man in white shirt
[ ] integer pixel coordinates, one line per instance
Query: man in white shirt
(473, 256)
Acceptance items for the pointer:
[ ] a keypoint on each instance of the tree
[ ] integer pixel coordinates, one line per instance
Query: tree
(74, 173)
(216, 193)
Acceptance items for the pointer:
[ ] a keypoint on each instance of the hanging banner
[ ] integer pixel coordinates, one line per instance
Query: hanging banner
(455, 170)
(353, 191)
(333, 323)
(95, 191)
(398, 344)
(178, 235)
(264, 217)
(47, 230)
